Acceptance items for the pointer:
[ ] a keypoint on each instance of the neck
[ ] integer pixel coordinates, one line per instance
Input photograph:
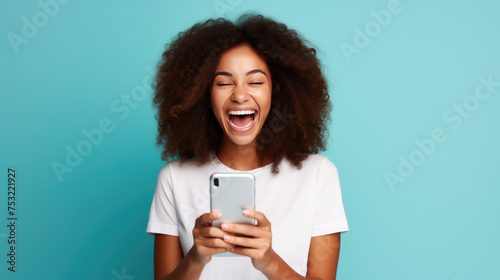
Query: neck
(239, 157)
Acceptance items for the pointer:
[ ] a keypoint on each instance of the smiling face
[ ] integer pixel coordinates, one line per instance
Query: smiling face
(241, 94)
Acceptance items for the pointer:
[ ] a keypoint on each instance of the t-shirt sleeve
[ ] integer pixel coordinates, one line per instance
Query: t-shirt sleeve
(163, 214)
(329, 213)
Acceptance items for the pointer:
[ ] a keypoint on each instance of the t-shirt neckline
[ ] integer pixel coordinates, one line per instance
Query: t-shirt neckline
(253, 171)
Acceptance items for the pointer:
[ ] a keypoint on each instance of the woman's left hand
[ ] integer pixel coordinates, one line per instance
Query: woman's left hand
(257, 244)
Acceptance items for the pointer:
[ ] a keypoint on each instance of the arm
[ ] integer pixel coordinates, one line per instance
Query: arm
(167, 254)
(168, 260)
(323, 256)
(321, 263)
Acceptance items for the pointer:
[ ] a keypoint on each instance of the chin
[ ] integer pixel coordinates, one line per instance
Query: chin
(243, 140)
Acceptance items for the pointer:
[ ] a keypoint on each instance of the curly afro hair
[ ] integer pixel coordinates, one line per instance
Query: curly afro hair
(300, 99)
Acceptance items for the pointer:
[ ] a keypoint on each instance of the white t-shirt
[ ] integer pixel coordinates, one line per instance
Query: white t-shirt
(299, 204)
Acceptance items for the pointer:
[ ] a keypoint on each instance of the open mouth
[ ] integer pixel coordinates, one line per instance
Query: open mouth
(241, 120)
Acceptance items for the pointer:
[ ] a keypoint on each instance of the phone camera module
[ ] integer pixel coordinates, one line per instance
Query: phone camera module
(216, 182)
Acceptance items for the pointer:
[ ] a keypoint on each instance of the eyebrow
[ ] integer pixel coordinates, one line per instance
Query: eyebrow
(247, 74)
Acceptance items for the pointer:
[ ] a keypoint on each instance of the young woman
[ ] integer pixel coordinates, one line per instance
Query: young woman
(245, 97)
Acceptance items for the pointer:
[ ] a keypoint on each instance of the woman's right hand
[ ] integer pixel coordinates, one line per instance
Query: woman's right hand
(208, 240)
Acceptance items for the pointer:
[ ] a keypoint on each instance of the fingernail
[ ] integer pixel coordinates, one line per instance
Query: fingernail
(224, 226)
(217, 214)
(246, 212)
(227, 237)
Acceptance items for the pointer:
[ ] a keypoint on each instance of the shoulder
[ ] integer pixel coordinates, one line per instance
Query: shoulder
(170, 168)
(186, 169)
(184, 165)
(319, 162)
(315, 165)
(322, 167)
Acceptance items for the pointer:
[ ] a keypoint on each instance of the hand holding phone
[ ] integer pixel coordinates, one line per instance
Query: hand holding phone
(208, 242)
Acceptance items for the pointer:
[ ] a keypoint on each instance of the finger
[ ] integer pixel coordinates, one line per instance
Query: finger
(202, 220)
(212, 251)
(250, 252)
(248, 230)
(206, 218)
(211, 232)
(214, 243)
(244, 241)
(261, 219)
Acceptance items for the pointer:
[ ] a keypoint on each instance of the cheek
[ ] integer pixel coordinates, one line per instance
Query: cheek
(216, 103)
(264, 114)
(266, 101)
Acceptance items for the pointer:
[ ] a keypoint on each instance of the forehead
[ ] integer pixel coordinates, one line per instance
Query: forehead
(241, 58)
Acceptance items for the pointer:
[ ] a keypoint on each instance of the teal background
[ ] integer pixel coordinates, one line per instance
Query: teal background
(441, 222)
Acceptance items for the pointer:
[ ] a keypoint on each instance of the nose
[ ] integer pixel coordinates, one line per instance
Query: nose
(240, 94)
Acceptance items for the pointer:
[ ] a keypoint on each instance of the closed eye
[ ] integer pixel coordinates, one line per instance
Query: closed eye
(230, 84)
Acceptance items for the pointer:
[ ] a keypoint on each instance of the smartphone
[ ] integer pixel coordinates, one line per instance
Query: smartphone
(231, 193)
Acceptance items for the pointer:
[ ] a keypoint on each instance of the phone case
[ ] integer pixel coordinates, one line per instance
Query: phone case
(234, 193)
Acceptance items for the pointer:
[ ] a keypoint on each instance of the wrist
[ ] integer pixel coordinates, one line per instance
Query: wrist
(195, 258)
(270, 263)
